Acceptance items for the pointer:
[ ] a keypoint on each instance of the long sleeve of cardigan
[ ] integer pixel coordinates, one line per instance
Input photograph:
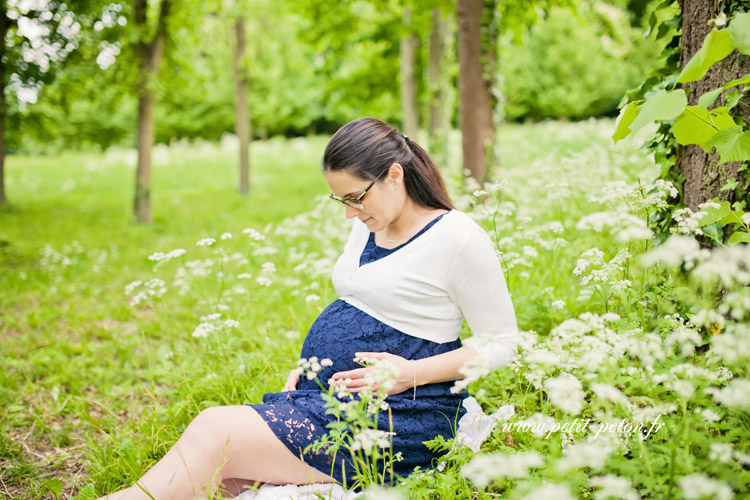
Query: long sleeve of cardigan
(477, 285)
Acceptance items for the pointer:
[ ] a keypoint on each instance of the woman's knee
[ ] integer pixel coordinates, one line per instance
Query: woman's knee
(208, 428)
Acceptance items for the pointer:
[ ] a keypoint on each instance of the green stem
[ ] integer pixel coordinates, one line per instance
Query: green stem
(650, 470)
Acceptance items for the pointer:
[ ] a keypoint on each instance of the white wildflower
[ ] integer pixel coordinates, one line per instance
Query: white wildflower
(206, 242)
(700, 486)
(685, 338)
(736, 394)
(566, 392)
(591, 454)
(721, 452)
(226, 236)
(612, 486)
(230, 323)
(367, 439)
(383, 375)
(244, 276)
(710, 415)
(550, 491)
(559, 304)
(132, 286)
(268, 268)
(312, 298)
(203, 329)
(610, 393)
(682, 387)
(253, 234)
(486, 467)
(263, 281)
(676, 251)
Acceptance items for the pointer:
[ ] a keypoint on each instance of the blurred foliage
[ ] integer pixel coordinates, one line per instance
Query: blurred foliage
(575, 64)
(314, 65)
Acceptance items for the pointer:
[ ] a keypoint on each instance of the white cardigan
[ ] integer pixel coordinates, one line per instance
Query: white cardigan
(426, 287)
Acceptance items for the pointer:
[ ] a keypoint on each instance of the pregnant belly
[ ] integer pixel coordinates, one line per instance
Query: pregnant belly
(342, 330)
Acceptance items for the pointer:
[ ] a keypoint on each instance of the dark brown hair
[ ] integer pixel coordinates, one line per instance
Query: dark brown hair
(367, 147)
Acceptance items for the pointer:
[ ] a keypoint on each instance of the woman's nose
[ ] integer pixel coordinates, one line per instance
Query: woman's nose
(351, 211)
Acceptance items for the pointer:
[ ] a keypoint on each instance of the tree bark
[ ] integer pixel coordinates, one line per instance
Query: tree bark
(149, 56)
(704, 177)
(3, 112)
(436, 81)
(408, 52)
(242, 125)
(477, 128)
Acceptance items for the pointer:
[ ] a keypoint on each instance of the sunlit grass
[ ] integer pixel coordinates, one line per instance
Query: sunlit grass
(95, 389)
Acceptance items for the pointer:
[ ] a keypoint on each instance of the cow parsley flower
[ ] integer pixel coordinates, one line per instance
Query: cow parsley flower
(253, 234)
(566, 392)
(612, 486)
(736, 394)
(206, 242)
(550, 491)
(486, 467)
(700, 486)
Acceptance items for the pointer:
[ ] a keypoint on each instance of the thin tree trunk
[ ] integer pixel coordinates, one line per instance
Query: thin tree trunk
(408, 52)
(704, 177)
(149, 55)
(440, 89)
(477, 128)
(437, 90)
(241, 113)
(3, 112)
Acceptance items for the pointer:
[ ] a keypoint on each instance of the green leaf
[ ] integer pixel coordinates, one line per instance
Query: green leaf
(661, 106)
(697, 125)
(745, 79)
(716, 46)
(733, 98)
(739, 30)
(732, 144)
(733, 217)
(739, 237)
(713, 215)
(87, 493)
(55, 486)
(729, 185)
(709, 98)
(627, 115)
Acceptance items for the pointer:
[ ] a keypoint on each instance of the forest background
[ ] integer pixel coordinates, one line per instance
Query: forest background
(90, 86)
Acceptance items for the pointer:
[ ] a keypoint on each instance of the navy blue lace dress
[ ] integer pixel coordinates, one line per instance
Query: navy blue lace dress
(299, 417)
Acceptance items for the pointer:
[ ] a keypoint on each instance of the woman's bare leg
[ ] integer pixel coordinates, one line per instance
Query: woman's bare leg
(220, 443)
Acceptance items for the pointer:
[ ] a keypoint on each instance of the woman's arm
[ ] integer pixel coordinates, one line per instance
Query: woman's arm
(411, 373)
(477, 286)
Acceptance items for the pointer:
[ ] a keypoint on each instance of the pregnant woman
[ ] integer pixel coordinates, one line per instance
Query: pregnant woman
(412, 269)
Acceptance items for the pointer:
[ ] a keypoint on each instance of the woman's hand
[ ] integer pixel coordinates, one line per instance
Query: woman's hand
(354, 380)
(292, 380)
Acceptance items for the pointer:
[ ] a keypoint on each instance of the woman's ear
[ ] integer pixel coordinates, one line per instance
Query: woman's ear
(395, 173)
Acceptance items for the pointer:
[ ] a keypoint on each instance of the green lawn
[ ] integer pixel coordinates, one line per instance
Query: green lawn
(95, 389)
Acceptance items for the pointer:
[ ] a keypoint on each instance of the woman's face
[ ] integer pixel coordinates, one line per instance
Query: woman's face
(382, 203)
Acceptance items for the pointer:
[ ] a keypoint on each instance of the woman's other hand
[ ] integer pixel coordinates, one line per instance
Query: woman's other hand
(354, 380)
(292, 380)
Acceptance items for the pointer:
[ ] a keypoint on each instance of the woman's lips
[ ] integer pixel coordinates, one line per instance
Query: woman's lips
(367, 220)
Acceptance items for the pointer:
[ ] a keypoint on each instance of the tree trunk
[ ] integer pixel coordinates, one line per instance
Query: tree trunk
(241, 113)
(408, 52)
(3, 33)
(149, 56)
(477, 128)
(436, 81)
(703, 176)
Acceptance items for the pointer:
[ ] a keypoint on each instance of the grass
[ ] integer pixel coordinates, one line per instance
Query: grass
(95, 390)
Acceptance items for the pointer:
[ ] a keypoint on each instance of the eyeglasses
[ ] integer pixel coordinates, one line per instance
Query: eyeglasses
(353, 202)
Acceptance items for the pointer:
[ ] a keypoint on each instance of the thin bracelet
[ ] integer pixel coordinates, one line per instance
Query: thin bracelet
(414, 368)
